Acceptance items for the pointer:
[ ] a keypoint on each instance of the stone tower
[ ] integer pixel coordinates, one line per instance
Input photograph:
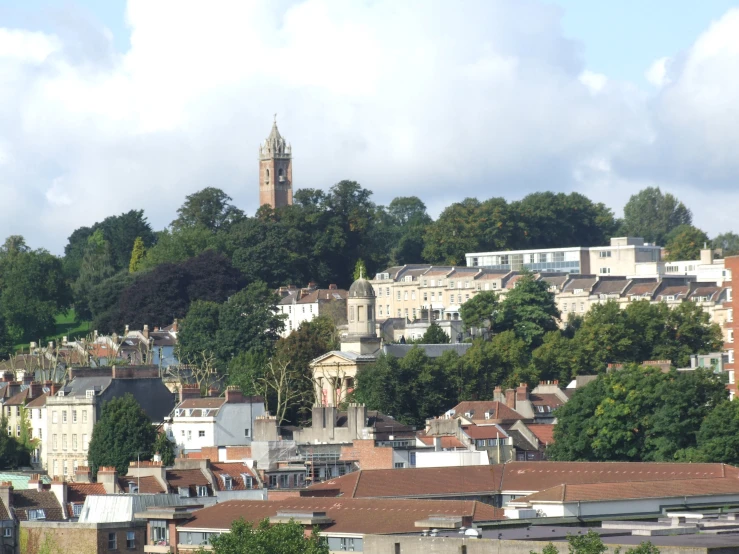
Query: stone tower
(275, 170)
(360, 306)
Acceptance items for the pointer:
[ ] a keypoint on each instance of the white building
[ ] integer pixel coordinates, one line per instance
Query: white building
(198, 423)
(306, 304)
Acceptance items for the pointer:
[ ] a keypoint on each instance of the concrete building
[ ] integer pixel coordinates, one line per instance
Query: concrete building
(275, 170)
(73, 411)
(306, 304)
(730, 326)
(197, 423)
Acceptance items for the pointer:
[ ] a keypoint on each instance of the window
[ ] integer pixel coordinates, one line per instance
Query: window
(203, 490)
(399, 465)
(84, 416)
(564, 307)
(64, 441)
(37, 514)
(64, 416)
(39, 433)
(53, 442)
(17, 411)
(131, 536)
(17, 430)
(451, 284)
(228, 482)
(495, 284)
(38, 413)
(189, 435)
(387, 291)
(605, 270)
(284, 481)
(74, 416)
(273, 480)
(74, 442)
(347, 544)
(405, 295)
(582, 306)
(201, 433)
(413, 295)
(54, 417)
(730, 337)
(77, 509)
(64, 467)
(246, 432)
(90, 393)
(112, 542)
(398, 295)
(605, 253)
(8, 532)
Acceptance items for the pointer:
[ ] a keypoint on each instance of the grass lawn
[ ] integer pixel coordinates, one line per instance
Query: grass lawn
(66, 326)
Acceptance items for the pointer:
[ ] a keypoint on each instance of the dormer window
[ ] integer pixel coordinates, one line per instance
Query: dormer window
(203, 490)
(227, 482)
(37, 514)
(89, 393)
(184, 491)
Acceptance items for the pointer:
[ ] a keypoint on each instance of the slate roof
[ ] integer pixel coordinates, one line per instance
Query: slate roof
(438, 271)
(30, 499)
(361, 516)
(190, 478)
(711, 292)
(609, 285)
(642, 287)
(545, 399)
(555, 279)
(38, 402)
(198, 405)
(598, 492)
(584, 282)
(485, 432)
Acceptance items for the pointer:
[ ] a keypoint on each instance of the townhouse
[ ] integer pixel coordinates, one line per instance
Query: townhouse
(306, 304)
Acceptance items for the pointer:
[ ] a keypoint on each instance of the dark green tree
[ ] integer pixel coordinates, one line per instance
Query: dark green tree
(479, 312)
(248, 320)
(555, 359)
(12, 453)
(718, 437)
(434, 335)
(97, 265)
(604, 336)
(165, 448)
(122, 432)
(590, 543)
(210, 208)
(32, 291)
(528, 310)
(137, 255)
(685, 243)
(283, 538)
(178, 245)
(198, 330)
(652, 214)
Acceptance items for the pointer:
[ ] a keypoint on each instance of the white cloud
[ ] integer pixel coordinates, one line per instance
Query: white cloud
(656, 74)
(404, 97)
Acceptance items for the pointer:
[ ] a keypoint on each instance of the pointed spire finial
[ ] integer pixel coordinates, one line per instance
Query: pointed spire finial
(275, 119)
(361, 273)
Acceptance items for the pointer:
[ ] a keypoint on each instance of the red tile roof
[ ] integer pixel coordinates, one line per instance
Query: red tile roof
(362, 516)
(147, 484)
(446, 442)
(77, 492)
(233, 470)
(431, 482)
(543, 432)
(485, 432)
(595, 492)
(478, 409)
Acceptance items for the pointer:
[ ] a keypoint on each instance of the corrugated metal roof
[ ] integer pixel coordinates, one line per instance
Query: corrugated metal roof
(114, 508)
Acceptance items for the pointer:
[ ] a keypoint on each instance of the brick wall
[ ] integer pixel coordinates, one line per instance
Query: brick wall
(369, 456)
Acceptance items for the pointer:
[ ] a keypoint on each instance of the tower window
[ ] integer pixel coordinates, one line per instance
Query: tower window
(267, 179)
(280, 175)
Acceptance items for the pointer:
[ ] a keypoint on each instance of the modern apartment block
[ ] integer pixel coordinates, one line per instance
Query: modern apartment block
(619, 258)
(730, 326)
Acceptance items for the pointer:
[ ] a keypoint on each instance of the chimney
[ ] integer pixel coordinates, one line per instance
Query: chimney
(59, 489)
(34, 483)
(510, 398)
(146, 331)
(27, 377)
(36, 389)
(706, 255)
(174, 326)
(51, 345)
(498, 395)
(7, 377)
(6, 495)
(82, 474)
(125, 332)
(437, 444)
(95, 335)
(108, 477)
(53, 388)
(213, 391)
(332, 286)
(234, 395)
(64, 340)
(522, 392)
(189, 391)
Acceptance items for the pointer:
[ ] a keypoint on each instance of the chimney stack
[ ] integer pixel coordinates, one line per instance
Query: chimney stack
(522, 392)
(34, 483)
(59, 489)
(234, 395)
(189, 391)
(498, 394)
(7, 377)
(510, 398)
(146, 331)
(6, 495)
(108, 477)
(82, 474)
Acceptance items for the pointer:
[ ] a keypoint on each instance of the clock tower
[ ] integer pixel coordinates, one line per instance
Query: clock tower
(275, 170)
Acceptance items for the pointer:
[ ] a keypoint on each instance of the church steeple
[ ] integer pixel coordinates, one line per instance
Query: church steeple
(275, 170)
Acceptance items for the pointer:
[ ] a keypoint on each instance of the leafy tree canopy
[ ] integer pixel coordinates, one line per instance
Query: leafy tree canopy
(685, 243)
(283, 538)
(480, 310)
(728, 243)
(652, 214)
(122, 432)
(434, 335)
(210, 208)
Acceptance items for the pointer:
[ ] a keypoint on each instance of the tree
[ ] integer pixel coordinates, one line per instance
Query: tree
(480, 310)
(360, 270)
(590, 543)
(728, 243)
(434, 335)
(198, 331)
(718, 437)
(248, 320)
(282, 538)
(210, 208)
(32, 291)
(178, 245)
(6, 343)
(555, 359)
(652, 215)
(604, 336)
(284, 384)
(528, 310)
(12, 453)
(122, 432)
(165, 448)
(96, 266)
(685, 243)
(137, 255)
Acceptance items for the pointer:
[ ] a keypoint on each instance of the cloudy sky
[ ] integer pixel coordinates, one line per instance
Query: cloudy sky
(107, 105)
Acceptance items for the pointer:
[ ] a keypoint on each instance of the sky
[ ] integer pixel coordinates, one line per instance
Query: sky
(108, 105)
